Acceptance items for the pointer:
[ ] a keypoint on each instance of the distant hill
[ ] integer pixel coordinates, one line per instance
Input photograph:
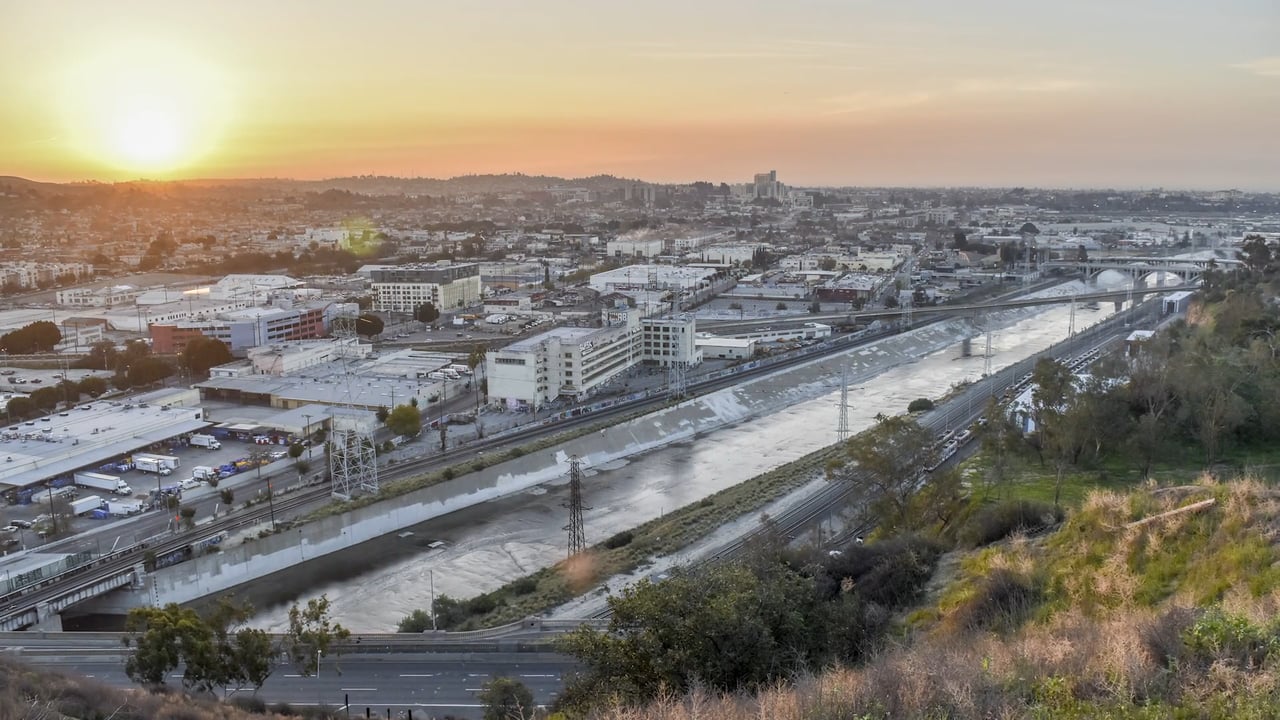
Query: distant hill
(365, 184)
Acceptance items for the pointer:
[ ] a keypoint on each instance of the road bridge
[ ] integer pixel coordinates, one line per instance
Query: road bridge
(727, 327)
(1187, 269)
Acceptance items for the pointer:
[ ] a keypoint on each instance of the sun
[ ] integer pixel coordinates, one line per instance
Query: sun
(156, 110)
(148, 134)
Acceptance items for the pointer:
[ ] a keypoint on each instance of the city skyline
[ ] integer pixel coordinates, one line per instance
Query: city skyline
(993, 93)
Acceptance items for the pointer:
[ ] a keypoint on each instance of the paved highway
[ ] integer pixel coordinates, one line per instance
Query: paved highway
(432, 684)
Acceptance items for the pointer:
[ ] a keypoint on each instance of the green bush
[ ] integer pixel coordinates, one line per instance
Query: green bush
(999, 521)
(515, 452)
(524, 585)
(417, 621)
(447, 473)
(920, 405)
(1221, 637)
(622, 539)
(1002, 601)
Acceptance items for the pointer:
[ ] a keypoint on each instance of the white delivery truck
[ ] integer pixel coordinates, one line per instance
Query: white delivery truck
(123, 508)
(462, 369)
(151, 465)
(204, 472)
(169, 461)
(86, 504)
(205, 441)
(100, 481)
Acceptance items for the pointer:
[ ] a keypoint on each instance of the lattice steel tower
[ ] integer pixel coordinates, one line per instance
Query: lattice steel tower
(677, 380)
(353, 463)
(842, 425)
(577, 534)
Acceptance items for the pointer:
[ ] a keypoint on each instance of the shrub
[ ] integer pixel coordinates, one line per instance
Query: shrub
(481, 604)
(920, 405)
(415, 622)
(447, 473)
(524, 586)
(515, 452)
(250, 703)
(1217, 636)
(999, 521)
(622, 539)
(1162, 637)
(1001, 602)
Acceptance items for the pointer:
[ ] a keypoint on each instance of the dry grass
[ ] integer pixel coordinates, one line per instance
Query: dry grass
(1117, 632)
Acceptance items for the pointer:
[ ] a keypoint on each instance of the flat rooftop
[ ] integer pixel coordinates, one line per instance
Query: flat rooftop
(88, 436)
(563, 333)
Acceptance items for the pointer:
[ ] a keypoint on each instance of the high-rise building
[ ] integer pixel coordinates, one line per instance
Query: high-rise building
(767, 186)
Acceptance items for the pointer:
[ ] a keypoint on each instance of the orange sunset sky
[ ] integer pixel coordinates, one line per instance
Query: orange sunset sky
(1118, 93)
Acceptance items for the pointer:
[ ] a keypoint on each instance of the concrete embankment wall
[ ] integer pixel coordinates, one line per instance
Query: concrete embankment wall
(237, 565)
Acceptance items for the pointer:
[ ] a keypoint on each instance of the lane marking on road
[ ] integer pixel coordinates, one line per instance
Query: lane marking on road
(358, 689)
(293, 676)
(413, 675)
(472, 689)
(539, 676)
(477, 674)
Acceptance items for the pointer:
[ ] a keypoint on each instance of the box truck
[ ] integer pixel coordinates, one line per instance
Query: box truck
(99, 481)
(204, 472)
(205, 441)
(86, 504)
(151, 465)
(168, 461)
(124, 508)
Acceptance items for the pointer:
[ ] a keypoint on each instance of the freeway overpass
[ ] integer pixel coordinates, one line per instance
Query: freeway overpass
(1187, 269)
(969, 309)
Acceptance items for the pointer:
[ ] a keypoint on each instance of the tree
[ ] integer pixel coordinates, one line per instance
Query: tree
(405, 420)
(827, 264)
(887, 463)
(242, 655)
(382, 414)
(311, 634)
(296, 450)
(92, 386)
(20, 407)
(475, 361)
(188, 515)
(506, 698)
(44, 335)
(164, 638)
(1056, 431)
(46, 398)
(780, 306)
(202, 353)
(102, 355)
(1000, 437)
(369, 325)
(227, 495)
(426, 313)
(960, 240)
(919, 405)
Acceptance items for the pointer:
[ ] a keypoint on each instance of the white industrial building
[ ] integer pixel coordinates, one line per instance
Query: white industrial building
(640, 277)
(574, 362)
(638, 247)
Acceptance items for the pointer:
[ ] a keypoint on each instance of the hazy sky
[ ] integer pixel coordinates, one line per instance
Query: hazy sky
(1120, 93)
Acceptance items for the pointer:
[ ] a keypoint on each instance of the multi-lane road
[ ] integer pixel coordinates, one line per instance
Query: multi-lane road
(431, 684)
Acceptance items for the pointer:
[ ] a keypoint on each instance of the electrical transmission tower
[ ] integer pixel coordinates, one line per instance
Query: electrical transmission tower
(677, 379)
(842, 425)
(353, 463)
(577, 534)
(986, 358)
(1071, 324)
(906, 312)
(353, 458)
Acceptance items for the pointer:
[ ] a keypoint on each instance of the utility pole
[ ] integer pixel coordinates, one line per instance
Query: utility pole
(577, 535)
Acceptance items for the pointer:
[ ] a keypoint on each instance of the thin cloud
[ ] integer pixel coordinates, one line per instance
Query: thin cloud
(1266, 66)
(867, 102)
(1022, 85)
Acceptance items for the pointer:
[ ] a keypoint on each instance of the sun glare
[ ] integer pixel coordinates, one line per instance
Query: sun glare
(148, 135)
(155, 112)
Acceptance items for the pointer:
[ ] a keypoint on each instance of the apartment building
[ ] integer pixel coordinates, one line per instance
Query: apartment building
(248, 328)
(402, 288)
